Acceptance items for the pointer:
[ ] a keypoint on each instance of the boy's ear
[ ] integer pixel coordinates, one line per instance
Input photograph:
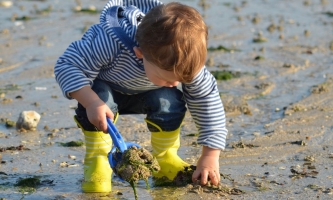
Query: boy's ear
(138, 52)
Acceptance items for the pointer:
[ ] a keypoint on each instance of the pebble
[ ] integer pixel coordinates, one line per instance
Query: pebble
(256, 133)
(6, 4)
(28, 120)
(72, 157)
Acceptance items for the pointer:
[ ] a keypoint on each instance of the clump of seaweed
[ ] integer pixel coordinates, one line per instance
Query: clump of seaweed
(328, 13)
(136, 164)
(242, 145)
(9, 87)
(28, 182)
(225, 75)
(221, 48)
(72, 144)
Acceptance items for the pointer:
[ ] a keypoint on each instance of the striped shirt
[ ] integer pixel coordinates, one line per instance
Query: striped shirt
(106, 52)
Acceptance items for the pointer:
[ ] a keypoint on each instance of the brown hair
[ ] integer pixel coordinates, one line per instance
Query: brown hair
(173, 36)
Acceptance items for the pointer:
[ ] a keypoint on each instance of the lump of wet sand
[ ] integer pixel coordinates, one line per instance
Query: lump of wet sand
(136, 164)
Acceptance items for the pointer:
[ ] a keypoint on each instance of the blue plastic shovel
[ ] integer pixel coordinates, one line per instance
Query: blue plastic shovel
(119, 145)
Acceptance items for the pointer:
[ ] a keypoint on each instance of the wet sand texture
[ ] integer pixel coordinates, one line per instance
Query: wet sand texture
(276, 62)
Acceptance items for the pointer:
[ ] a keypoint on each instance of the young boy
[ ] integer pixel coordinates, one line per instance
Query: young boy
(131, 62)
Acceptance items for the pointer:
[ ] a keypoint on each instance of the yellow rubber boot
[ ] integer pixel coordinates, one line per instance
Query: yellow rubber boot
(97, 170)
(165, 145)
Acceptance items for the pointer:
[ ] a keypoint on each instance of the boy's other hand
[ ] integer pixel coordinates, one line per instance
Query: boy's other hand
(208, 167)
(97, 111)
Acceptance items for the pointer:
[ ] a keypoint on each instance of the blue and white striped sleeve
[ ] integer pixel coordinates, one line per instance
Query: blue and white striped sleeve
(82, 60)
(206, 108)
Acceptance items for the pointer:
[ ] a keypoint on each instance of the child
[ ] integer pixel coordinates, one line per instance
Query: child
(131, 62)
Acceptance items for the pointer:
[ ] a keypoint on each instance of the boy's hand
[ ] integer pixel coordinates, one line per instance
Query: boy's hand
(208, 167)
(97, 110)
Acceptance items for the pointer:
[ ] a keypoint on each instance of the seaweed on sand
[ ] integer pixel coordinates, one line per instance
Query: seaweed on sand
(182, 178)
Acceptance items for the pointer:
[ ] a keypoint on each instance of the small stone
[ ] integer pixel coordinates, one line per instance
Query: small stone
(256, 133)
(309, 158)
(6, 4)
(5, 31)
(271, 27)
(210, 62)
(72, 165)
(6, 101)
(28, 120)
(288, 65)
(63, 164)
(256, 20)
(71, 157)
(50, 135)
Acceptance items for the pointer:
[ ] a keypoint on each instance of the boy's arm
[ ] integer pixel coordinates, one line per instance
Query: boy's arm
(206, 108)
(81, 62)
(205, 105)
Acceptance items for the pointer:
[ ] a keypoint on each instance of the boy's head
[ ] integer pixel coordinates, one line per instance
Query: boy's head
(173, 37)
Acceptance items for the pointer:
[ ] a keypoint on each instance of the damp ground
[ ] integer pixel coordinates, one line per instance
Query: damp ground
(277, 64)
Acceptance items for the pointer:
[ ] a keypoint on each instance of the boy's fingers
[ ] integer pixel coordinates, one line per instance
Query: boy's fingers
(195, 176)
(204, 178)
(110, 115)
(102, 126)
(214, 178)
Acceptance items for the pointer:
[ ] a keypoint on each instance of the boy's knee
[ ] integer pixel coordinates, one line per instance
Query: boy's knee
(167, 97)
(168, 111)
(102, 89)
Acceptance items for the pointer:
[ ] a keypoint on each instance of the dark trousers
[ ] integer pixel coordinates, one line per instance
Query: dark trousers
(164, 107)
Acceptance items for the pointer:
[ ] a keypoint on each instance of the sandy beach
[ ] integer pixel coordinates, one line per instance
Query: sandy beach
(278, 98)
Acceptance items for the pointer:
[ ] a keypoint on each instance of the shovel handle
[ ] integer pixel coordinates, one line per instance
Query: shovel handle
(117, 139)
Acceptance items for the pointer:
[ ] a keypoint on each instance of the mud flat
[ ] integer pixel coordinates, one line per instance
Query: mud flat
(276, 62)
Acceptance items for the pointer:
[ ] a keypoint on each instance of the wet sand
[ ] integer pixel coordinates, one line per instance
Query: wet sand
(279, 105)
